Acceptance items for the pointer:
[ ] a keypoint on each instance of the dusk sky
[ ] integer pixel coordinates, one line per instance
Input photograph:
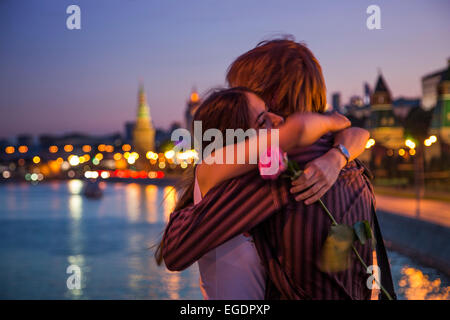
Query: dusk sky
(55, 80)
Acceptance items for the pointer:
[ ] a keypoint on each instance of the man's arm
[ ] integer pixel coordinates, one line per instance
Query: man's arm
(321, 173)
(233, 207)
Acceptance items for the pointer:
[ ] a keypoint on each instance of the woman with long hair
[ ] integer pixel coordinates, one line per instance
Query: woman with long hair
(233, 270)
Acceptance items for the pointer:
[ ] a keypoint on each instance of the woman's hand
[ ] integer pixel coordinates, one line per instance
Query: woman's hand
(318, 177)
(338, 121)
(309, 127)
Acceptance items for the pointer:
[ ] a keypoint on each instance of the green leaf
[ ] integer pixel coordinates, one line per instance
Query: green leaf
(370, 234)
(296, 166)
(296, 174)
(360, 231)
(364, 232)
(335, 255)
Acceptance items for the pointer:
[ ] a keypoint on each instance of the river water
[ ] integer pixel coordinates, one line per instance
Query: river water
(46, 228)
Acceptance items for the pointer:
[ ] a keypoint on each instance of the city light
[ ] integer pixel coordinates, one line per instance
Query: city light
(194, 97)
(6, 174)
(105, 174)
(428, 142)
(401, 152)
(53, 149)
(410, 144)
(36, 159)
(86, 148)
(91, 174)
(68, 148)
(370, 143)
(189, 155)
(151, 155)
(65, 165)
(117, 156)
(126, 147)
(131, 157)
(412, 152)
(101, 147)
(74, 160)
(23, 149)
(169, 154)
(9, 150)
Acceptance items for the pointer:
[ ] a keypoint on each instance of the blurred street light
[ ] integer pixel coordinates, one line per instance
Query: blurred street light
(410, 144)
(370, 143)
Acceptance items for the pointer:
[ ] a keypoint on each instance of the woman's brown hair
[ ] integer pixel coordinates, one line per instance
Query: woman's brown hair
(222, 109)
(284, 73)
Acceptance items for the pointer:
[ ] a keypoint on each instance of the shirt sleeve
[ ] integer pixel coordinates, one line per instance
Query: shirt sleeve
(227, 210)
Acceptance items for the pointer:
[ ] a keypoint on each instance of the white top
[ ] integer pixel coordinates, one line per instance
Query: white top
(233, 270)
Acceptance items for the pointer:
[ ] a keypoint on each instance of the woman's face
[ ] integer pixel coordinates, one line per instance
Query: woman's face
(260, 117)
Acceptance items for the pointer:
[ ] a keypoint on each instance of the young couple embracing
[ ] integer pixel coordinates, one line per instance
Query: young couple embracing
(255, 238)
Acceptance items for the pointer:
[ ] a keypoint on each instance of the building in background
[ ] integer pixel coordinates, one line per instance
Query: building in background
(367, 94)
(129, 128)
(143, 133)
(191, 106)
(336, 101)
(440, 123)
(25, 140)
(430, 84)
(384, 126)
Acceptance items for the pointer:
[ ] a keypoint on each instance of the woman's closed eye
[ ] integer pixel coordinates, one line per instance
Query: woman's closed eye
(261, 120)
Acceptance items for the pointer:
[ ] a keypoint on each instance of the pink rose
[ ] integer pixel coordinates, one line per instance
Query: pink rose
(272, 163)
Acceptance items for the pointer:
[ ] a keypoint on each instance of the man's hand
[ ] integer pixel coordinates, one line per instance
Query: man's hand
(318, 177)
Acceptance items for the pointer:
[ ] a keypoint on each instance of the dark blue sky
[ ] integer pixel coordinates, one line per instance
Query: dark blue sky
(55, 80)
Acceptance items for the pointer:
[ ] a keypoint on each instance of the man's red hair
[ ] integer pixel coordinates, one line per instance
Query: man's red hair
(285, 73)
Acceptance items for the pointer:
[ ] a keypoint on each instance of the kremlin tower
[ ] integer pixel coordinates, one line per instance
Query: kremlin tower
(192, 104)
(143, 133)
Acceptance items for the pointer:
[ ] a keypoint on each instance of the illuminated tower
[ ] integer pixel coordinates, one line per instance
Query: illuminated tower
(191, 107)
(143, 133)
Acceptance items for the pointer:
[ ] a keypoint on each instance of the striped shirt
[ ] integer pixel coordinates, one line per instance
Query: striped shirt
(288, 234)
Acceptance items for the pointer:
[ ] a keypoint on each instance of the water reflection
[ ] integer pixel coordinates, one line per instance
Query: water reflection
(417, 286)
(75, 186)
(173, 285)
(110, 240)
(151, 194)
(75, 204)
(76, 293)
(133, 200)
(170, 199)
